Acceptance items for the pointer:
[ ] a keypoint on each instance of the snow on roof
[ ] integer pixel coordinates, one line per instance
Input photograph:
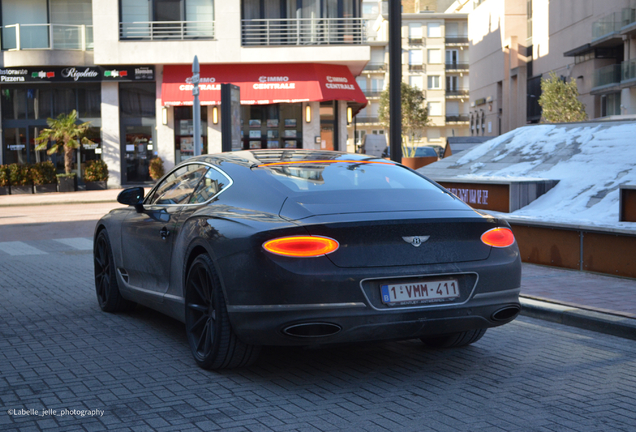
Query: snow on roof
(590, 160)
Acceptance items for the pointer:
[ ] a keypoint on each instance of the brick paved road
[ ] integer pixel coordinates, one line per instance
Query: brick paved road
(58, 351)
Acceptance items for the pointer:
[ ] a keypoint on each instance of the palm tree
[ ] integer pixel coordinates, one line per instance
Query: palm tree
(64, 133)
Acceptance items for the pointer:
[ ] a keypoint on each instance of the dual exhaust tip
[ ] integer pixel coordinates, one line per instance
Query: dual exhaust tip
(321, 329)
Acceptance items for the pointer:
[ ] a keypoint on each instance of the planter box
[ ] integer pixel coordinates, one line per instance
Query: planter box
(5, 190)
(45, 188)
(418, 162)
(67, 184)
(96, 185)
(21, 190)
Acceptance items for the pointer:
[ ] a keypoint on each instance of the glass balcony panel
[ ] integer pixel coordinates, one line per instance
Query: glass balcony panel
(628, 71)
(607, 75)
(607, 25)
(34, 36)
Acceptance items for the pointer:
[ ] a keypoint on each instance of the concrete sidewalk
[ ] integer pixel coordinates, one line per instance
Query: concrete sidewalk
(595, 302)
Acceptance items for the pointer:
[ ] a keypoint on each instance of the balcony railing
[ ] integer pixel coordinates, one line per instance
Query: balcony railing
(375, 67)
(303, 31)
(607, 75)
(457, 118)
(457, 39)
(166, 30)
(416, 68)
(372, 93)
(628, 70)
(360, 119)
(457, 92)
(47, 37)
(607, 25)
(415, 41)
(628, 16)
(457, 66)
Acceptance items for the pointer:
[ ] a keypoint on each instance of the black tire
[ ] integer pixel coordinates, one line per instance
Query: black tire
(106, 286)
(212, 342)
(454, 340)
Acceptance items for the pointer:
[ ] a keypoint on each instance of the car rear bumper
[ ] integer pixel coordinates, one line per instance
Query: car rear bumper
(321, 324)
(317, 303)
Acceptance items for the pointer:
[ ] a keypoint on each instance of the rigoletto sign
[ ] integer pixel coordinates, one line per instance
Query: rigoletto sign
(76, 74)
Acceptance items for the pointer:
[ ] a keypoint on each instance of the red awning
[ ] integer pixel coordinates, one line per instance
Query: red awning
(262, 83)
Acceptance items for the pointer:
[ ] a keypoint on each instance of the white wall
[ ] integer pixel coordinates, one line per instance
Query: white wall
(111, 147)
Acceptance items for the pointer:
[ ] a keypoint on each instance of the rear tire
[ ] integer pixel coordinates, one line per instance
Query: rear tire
(454, 340)
(106, 286)
(212, 341)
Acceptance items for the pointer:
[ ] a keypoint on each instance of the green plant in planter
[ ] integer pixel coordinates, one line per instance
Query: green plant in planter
(4, 175)
(43, 173)
(156, 168)
(96, 170)
(64, 133)
(20, 175)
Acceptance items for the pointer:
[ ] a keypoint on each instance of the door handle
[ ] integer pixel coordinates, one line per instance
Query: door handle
(164, 233)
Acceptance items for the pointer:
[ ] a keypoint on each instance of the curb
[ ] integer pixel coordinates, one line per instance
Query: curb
(58, 203)
(584, 319)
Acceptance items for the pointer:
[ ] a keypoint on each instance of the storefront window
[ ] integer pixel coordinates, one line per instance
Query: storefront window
(137, 116)
(25, 110)
(272, 126)
(184, 132)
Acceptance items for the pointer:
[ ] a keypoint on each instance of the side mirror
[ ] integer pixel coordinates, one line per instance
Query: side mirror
(132, 197)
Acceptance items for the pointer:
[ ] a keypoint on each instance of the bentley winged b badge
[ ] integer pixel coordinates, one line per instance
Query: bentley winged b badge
(415, 240)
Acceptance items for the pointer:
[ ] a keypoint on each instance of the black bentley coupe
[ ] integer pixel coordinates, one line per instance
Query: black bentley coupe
(307, 248)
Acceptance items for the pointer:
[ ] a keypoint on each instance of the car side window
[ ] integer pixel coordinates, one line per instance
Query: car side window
(178, 186)
(213, 182)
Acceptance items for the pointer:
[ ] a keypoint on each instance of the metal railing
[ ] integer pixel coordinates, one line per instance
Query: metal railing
(607, 25)
(166, 30)
(457, 39)
(628, 70)
(303, 31)
(417, 67)
(415, 41)
(360, 119)
(607, 75)
(457, 118)
(375, 67)
(372, 93)
(47, 36)
(457, 92)
(457, 66)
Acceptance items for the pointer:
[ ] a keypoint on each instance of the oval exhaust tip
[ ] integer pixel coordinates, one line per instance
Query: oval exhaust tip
(311, 330)
(506, 314)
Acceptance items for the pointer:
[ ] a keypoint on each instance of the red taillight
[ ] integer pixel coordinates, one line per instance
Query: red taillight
(301, 246)
(498, 237)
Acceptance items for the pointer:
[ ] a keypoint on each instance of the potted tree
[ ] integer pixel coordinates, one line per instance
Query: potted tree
(156, 168)
(4, 180)
(44, 179)
(64, 134)
(414, 120)
(96, 175)
(20, 179)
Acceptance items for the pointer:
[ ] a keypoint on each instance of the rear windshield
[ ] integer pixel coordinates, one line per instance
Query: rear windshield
(342, 176)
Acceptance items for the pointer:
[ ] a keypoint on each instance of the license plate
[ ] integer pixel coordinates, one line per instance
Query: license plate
(420, 292)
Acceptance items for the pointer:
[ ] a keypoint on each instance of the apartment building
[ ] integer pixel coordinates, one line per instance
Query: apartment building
(434, 59)
(516, 43)
(125, 66)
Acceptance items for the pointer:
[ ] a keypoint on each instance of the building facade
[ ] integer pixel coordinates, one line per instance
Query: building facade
(516, 43)
(127, 70)
(434, 59)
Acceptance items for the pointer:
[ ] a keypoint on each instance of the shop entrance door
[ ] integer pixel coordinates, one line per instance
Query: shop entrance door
(138, 150)
(327, 126)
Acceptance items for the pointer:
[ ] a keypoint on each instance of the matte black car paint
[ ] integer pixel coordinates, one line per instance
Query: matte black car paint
(266, 294)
